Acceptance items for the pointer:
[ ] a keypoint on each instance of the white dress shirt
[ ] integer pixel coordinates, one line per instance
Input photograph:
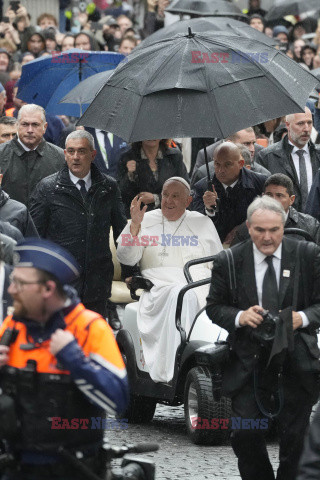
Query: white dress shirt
(87, 180)
(295, 158)
(27, 149)
(260, 268)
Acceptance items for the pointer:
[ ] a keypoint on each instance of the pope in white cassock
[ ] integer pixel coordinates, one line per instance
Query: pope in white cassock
(162, 241)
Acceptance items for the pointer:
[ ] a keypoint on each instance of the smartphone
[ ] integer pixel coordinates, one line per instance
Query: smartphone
(15, 5)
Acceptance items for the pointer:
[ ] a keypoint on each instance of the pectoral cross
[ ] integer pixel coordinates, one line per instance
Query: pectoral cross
(163, 254)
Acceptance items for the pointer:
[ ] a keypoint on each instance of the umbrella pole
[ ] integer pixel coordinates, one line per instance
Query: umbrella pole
(209, 183)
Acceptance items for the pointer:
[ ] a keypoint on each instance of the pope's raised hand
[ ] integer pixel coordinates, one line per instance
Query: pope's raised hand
(137, 215)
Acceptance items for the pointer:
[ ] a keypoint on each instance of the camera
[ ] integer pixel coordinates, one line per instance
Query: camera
(265, 332)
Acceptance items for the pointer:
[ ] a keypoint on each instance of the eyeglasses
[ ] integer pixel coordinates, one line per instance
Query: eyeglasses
(19, 284)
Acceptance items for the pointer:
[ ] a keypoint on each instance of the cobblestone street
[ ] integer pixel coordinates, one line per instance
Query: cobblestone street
(177, 457)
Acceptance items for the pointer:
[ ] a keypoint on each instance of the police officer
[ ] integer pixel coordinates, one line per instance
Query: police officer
(62, 368)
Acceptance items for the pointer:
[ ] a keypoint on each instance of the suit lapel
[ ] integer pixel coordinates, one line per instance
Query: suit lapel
(288, 260)
(247, 274)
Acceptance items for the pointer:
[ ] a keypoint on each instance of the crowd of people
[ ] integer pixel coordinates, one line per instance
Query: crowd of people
(76, 186)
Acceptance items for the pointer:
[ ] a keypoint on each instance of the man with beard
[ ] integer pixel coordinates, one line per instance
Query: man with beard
(61, 366)
(295, 155)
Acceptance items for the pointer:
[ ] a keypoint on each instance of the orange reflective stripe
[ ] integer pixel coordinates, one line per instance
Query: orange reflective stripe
(9, 112)
(91, 331)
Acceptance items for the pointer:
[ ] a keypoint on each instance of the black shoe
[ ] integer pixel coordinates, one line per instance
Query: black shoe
(113, 319)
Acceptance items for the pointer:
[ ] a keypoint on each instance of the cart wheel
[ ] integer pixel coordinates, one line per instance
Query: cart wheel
(140, 409)
(200, 404)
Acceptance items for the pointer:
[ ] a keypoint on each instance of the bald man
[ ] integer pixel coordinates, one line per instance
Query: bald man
(235, 187)
(295, 156)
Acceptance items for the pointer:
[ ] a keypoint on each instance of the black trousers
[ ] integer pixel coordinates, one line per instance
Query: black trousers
(250, 445)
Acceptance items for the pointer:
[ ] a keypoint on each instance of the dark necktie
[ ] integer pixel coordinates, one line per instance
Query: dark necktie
(228, 191)
(303, 177)
(83, 189)
(270, 296)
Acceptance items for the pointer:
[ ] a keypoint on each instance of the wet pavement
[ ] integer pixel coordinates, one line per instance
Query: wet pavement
(177, 457)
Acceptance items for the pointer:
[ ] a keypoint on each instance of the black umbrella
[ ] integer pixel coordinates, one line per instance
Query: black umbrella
(315, 93)
(281, 8)
(199, 86)
(84, 93)
(204, 8)
(208, 25)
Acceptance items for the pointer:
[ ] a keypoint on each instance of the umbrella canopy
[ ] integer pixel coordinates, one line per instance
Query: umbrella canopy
(281, 8)
(46, 80)
(83, 94)
(208, 25)
(315, 93)
(205, 8)
(198, 86)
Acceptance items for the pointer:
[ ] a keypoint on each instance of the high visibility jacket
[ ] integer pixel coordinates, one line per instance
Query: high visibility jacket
(9, 112)
(46, 387)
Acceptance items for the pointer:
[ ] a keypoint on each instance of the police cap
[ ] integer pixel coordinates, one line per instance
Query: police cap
(48, 256)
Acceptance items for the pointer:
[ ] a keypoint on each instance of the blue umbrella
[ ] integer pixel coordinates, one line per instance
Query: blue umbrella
(46, 80)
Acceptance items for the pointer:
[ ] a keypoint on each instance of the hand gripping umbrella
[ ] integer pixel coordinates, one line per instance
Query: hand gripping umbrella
(198, 86)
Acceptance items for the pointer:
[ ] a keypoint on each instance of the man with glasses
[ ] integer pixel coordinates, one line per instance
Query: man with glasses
(61, 367)
(28, 158)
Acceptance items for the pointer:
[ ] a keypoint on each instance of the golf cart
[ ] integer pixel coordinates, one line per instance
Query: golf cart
(197, 374)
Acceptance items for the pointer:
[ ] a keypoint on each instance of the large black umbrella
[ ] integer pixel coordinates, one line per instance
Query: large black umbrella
(205, 8)
(208, 25)
(281, 8)
(84, 93)
(315, 93)
(198, 86)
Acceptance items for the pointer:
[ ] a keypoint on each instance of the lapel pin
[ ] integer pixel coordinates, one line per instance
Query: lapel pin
(286, 273)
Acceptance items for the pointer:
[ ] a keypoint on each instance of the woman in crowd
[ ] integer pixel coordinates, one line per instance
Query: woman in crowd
(145, 167)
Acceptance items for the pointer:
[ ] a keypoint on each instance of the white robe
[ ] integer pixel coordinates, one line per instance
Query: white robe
(156, 309)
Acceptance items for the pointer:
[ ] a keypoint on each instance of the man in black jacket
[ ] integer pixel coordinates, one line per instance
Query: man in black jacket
(266, 276)
(28, 158)
(17, 214)
(295, 155)
(235, 187)
(76, 208)
(280, 187)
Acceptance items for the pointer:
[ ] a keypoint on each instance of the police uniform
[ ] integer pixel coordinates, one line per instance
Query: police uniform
(59, 398)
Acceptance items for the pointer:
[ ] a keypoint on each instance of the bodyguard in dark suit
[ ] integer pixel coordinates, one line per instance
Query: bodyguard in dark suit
(235, 187)
(295, 155)
(265, 278)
